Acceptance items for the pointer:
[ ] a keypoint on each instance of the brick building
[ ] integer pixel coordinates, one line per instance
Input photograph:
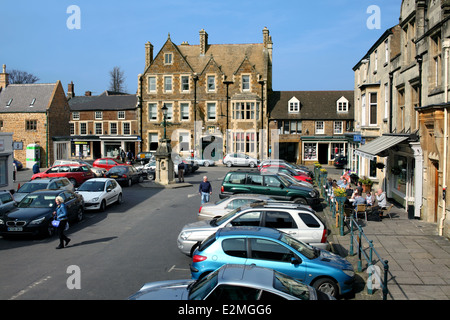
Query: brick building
(34, 113)
(210, 90)
(310, 126)
(102, 125)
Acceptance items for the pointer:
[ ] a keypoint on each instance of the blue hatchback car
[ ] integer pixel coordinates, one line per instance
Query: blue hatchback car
(270, 248)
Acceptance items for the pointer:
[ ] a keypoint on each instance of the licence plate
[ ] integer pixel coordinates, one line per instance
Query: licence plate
(114, 176)
(15, 229)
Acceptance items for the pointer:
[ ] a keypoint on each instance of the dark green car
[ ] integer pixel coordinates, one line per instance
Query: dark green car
(273, 185)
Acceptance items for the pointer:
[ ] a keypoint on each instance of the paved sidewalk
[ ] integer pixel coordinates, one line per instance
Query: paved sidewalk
(418, 258)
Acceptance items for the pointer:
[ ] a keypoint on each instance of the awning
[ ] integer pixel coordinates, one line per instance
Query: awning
(380, 144)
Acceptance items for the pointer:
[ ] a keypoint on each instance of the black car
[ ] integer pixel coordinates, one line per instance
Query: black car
(126, 175)
(34, 214)
(340, 161)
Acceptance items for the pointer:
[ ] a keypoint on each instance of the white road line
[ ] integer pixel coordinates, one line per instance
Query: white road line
(177, 269)
(31, 286)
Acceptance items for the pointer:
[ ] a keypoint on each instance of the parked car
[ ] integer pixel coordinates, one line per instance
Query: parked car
(202, 162)
(125, 175)
(34, 214)
(296, 167)
(76, 173)
(340, 161)
(281, 168)
(211, 210)
(48, 183)
(98, 172)
(239, 159)
(99, 193)
(273, 185)
(145, 156)
(232, 282)
(295, 181)
(19, 165)
(270, 248)
(106, 163)
(298, 221)
(7, 202)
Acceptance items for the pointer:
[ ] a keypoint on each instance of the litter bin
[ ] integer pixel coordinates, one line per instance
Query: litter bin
(410, 211)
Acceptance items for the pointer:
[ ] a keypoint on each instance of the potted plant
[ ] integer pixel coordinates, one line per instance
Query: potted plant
(340, 193)
(366, 184)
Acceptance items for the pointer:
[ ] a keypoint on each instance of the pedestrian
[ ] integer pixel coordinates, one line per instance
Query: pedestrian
(205, 189)
(181, 167)
(60, 215)
(36, 168)
(122, 155)
(14, 171)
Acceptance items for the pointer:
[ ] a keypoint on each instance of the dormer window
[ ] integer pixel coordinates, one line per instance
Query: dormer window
(342, 105)
(294, 105)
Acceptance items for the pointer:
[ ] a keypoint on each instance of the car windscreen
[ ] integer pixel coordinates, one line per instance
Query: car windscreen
(222, 219)
(92, 186)
(290, 286)
(300, 246)
(30, 187)
(118, 169)
(37, 201)
(201, 288)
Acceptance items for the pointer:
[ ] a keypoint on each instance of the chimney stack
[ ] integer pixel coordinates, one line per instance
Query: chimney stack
(203, 42)
(4, 78)
(88, 93)
(148, 54)
(70, 90)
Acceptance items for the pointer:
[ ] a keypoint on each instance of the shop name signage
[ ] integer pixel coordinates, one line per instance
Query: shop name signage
(357, 138)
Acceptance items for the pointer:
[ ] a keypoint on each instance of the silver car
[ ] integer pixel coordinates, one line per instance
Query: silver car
(299, 221)
(232, 282)
(239, 159)
(210, 210)
(38, 184)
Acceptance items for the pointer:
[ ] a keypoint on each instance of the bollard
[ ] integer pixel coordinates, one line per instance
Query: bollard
(385, 285)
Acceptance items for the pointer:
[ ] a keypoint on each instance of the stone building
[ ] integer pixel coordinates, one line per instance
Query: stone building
(100, 126)
(34, 113)
(310, 126)
(414, 139)
(215, 95)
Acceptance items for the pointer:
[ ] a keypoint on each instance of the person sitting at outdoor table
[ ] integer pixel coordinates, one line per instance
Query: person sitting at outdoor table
(342, 182)
(381, 198)
(370, 199)
(349, 190)
(359, 199)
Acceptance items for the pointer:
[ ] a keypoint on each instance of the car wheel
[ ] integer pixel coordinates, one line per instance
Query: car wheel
(80, 213)
(206, 164)
(129, 183)
(103, 206)
(229, 164)
(252, 165)
(73, 181)
(50, 230)
(326, 285)
(119, 199)
(300, 201)
(141, 179)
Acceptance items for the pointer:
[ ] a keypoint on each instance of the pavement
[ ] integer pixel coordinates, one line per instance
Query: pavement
(418, 258)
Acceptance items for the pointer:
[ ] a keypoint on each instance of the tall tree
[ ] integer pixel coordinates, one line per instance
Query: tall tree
(19, 77)
(117, 80)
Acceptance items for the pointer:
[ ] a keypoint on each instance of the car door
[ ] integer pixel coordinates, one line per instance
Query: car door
(275, 188)
(282, 221)
(310, 229)
(70, 203)
(52, 172)
(274, 255)
(255, 183)
(111, 192)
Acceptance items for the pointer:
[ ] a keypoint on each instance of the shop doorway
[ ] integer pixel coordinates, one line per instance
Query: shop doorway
(288, 151)
(323, 153)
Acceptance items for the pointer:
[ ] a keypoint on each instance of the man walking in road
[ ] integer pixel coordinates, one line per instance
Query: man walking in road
(205, 190)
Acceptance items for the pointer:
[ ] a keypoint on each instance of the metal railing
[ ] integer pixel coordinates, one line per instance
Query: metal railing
(374, 280)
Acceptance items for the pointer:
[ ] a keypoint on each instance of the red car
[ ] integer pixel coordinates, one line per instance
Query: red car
(280, 168)
(76, 173)
(106, 163)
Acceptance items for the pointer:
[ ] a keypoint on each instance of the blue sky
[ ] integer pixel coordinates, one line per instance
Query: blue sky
(316, 43)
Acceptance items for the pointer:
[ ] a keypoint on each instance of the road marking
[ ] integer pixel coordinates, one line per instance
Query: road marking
(192, 195)
(31, 286)
(177, 269)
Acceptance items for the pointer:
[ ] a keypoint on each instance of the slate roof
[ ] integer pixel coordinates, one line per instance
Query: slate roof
(228, 56)
(314, 105)
(103, 102)
(22, 96)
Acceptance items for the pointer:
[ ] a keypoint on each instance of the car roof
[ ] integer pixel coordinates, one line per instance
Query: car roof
(71, 165)
(46, 180)
(49, 191)
(246, 274)
(99, 179)
(248, 231)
